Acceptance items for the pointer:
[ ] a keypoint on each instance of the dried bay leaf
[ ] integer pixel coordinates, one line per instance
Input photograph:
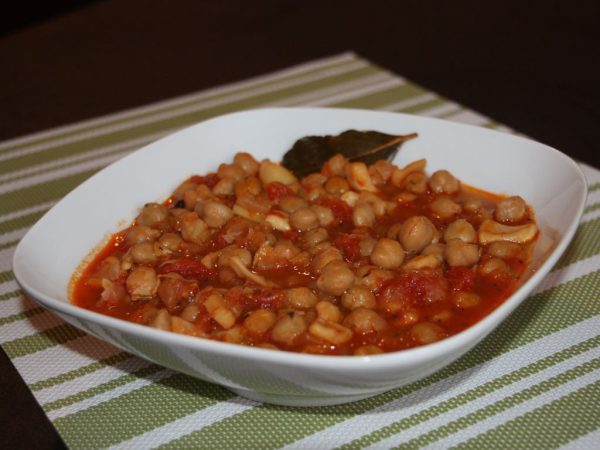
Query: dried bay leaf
(310, 153)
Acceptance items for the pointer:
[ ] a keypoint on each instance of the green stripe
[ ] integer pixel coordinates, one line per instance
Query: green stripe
(41, 341)
(85, 370)
(593, 187)
(9, 244)
(380, 99)
(137, 412)
(104, 387)
(479, 392)
(21, 316)
(41, 193)
(10, 295)
(591, 208)
(6, 276)
(539, 316)
(178, 121)
(165, 109)
(549, 426)
(21, 221)
(586, 243)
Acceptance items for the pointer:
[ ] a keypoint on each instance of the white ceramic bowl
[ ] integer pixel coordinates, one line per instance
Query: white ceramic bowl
(48, 255)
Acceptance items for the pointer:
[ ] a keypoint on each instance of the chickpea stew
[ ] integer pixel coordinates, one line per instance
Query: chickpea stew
(352, 260)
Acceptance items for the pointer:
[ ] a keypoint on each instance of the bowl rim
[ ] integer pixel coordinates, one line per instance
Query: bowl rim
(464, 339)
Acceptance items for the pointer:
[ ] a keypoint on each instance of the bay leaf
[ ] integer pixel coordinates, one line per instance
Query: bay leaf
(309, 153)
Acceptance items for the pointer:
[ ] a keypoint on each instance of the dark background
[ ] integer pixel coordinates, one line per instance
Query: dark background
(532, 65)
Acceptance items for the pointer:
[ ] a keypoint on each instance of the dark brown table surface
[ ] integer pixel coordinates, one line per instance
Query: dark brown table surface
(533, 66)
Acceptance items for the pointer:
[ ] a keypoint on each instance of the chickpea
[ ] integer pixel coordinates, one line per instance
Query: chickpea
(330, 332)
(459, 253)
(445, 207)
(336, 185)
(363, 215)
(314, 180)
(142, 282)
(358, 297)
(416, 233)
(315, 193)
(260, 321)
(315, 236)
(143, 253)
(153, 214)
(335, 278)
(381, 171)
(231, 171)
(472, 205)
(364, 320)
(416, 183)
(367, 245)
(248, 185)
(140, 233)
(292, 203)
(169, 243)
(324, 214)
(387, 254)
(511, 210)
(194, 229)
(505, 250)
(225, 255)
(246, 162)
(436, 250)
(460, 229)
(224, 187)
(288, 328)
(492, 265)
(190, 313)
(427, 332)
(162, 320)
(216, 214)
(366, 350)
(372, 278)
(325, 257)
(466, 300)
(328, 311)
(443, 182)
(304, 219)
(300, 298)
(336, 165)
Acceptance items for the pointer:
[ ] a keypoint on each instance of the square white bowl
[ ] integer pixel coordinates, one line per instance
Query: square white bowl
(52, 250)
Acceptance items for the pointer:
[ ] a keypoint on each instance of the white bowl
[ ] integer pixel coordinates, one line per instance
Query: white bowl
(52, 250)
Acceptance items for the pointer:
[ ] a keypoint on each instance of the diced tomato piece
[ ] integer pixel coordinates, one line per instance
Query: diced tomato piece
(291, 235)
(210, 179)
(276, 191)
(349, 244)
(341, 210)
(422, 286)
(188, 268)
(461, 279)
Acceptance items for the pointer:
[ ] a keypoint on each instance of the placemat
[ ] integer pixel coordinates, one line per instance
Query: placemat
(534, 383)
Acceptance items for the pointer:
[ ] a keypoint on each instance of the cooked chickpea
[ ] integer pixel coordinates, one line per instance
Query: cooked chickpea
(169, 243)
(416, 233)
(328, 311)
(443, 182)
(460, 229)
(260, 321)
(231, 171)
(387, 254)
(330, 332)
(315, 236)
(248, 185)
(367, 245)
(315, 193)
(504, 250)
(336, 165)
(324, 257)
(162, 320)
(335, 278)
(372, 278)
(436, 250)
(140, 233)
(336, 185)
(363, 215)
(216, 214)
(445, 207)
(304, 219)
(492, 265)
(194, 229)
(358, 297)
(416, 183)
(466, 300)
(153, 214)
(288, 328)
(472, 205)
(511, 210)
(143, 253)
(366, 350)
(324, 215)
(246, 162)
(228, 252)
(292, 203)
(142, 282)
(364, 320)
(459, 253)
(190, 312)
(300, 298)
(224, 187)
(427, 333)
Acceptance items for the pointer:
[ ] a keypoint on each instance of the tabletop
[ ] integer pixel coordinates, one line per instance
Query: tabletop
(530, 68)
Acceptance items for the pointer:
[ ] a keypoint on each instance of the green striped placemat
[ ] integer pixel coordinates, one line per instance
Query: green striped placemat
(534, 383)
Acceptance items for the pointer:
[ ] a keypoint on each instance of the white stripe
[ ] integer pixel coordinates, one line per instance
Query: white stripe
(106, 396)
(90, 380)
(14, 306)
(457, 384)
(72, 355)
(408, 103)
(7, 287)
(82, 156)
(27, 327)
(6, 256)
(186, 425)
(469, 117)
(14, 235)
(495, 397)
(517, 411)
(593, 198)
(440, 110)
(592, 175)
(592, 215)
(183, 110)
(587, 442)
(569, 273)
(26, 211)
(247, 83)
(344, 96)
